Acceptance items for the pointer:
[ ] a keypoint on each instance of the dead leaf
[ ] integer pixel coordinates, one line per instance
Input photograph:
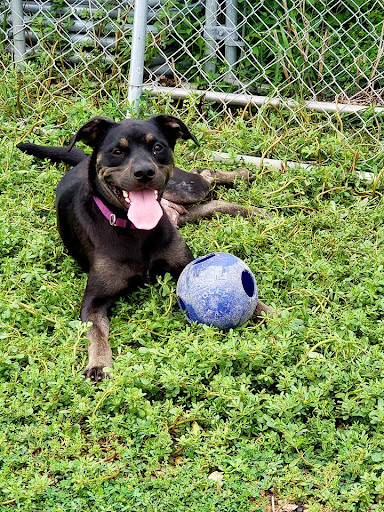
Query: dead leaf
(216, 476)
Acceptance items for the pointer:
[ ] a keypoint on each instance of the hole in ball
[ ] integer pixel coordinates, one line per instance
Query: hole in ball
(248, 283)
(183, 307)
(204, 258)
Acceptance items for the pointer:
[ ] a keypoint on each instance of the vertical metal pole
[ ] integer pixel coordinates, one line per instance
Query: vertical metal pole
(211, 8)
(231, 24)
(18, 31)
(136, 68)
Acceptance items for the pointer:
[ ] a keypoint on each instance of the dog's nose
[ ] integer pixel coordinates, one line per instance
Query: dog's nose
(144, 174)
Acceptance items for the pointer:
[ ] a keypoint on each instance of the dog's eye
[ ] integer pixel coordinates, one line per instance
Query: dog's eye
(117, 152)
(157, 148)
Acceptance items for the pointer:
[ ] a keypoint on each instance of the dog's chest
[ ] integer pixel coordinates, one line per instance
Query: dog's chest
(131, 246)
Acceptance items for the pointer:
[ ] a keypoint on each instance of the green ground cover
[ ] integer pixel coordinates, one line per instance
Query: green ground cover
(294, 406)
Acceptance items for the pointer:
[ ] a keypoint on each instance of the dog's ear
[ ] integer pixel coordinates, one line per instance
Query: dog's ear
(173, 129)
(92, 132)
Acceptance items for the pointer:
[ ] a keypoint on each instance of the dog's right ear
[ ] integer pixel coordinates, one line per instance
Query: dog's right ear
(92, 133)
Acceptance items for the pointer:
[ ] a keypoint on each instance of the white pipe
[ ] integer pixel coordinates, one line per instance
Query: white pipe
(275, 164)
(259, 101)
(218, 156)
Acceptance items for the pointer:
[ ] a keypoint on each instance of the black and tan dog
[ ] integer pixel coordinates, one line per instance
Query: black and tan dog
(110, 212)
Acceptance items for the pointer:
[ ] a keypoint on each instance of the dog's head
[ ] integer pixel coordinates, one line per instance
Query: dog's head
(132, 160)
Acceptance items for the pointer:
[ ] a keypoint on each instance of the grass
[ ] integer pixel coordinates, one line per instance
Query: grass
(195, 419)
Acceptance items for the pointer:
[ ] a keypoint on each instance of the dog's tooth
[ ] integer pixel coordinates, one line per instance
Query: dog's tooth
(126, 196)
(156, 193)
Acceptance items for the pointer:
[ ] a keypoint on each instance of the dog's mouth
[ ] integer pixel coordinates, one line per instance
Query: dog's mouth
(143, 207)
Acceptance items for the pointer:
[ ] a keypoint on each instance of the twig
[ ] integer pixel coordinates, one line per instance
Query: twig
(284, 186)
(302, 207)
(269, 149)
(103, 397)
(376, 182)
(304, 459)
(321, 194)
(285, 70)
(102, 478)
(380, 52)
(322, 54)
(8, 502)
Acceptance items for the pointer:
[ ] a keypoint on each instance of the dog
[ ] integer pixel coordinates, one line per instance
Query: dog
(118, 210)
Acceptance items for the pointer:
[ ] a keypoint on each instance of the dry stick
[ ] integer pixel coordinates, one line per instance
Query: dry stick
(284, 186)
(306, 36)
(337, 113)
(321, 194)
(105, 394)
(18, 101)
(303, 458)
(50, 72)
(8, 502)
(32, 311)
(269, 149)
(271, 105)
(354, 160)
(298, 43)
(304, 52)
(322, 54)
(103, 478)
(175, 77)
(285, 6)
(380, 52)
(285, 71)
(118, 38)
(376, 182)
(300, 206)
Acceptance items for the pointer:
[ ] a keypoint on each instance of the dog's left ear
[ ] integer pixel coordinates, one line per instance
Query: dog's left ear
(173, 129)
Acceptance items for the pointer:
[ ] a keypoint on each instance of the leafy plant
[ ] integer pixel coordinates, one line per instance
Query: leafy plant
(194, 418)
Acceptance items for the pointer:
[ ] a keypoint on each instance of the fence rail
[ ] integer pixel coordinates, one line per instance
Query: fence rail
(290, 55)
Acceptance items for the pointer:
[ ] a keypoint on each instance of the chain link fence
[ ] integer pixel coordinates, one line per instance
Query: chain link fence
(283, 66)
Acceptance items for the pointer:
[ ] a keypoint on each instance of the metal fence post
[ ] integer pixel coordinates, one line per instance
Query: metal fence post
(231, 25)
(136, 69)
(211, 11)
(18, 31)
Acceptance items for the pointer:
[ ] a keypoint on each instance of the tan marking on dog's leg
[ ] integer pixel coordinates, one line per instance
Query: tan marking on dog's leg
(99, 350)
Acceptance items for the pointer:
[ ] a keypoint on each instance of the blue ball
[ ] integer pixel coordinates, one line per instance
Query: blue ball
(217, 289)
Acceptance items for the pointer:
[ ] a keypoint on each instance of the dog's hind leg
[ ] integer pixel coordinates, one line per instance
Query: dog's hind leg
(193, 187)
(207, 210)
(224, 177)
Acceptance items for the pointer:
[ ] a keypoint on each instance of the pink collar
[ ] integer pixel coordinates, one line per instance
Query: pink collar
(111, 217)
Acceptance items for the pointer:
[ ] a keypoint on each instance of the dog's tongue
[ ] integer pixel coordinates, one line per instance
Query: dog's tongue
(144, 210)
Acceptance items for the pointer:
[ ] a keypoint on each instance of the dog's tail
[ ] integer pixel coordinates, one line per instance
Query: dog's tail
(57, 154)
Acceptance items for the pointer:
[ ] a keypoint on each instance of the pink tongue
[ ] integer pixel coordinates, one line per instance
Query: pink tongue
(144, 211)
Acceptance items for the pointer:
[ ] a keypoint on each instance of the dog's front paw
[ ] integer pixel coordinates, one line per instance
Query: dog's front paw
(173, 211)
(96, 373)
